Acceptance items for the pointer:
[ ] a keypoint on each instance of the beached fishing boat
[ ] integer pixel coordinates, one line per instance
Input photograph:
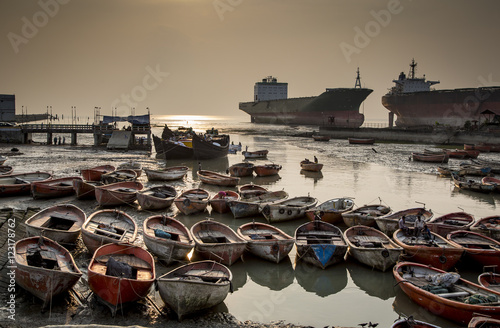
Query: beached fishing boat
(430, 158)
(120, 273)
(108, 226)
(318, 137)
(120, 175)
(53, 188)
(255, 154)
(156, 198)
(266, 169)
(119, 193)
(251, 190)
(252, 206)
(241, 170)
(266, 241)
(85, 189)
(167, 238)
(492, 181)
(289, 209)
(361, 141)
(5, 170)
(450, 222)
(210, 146)
(192, 201)
(217, 241)
(20, 183)
(60, 223)
(483, 322)
(365, 215)
(44, 268)
(195, 287)
(484, 148)
(488, 226)
(454, 298)
(410, 322)
(390, 222)
(131, 165)
(490, 280)
(307, 165)
(462, 153)
(217, 179)
(331, 210)
(372, 247)
(95, 173)
(436, 251)
(472, 185)
(320, 243)
(173, 149)
(167, 174)
(219, 202)
(479, 248)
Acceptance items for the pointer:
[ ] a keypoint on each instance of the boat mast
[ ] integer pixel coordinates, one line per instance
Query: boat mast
(413, 65)
(358, 80)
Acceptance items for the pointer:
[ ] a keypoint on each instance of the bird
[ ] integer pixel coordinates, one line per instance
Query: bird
(372, 325)
(362, 324)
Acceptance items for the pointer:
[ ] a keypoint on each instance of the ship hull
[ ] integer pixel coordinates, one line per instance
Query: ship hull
(335, 107)
(445, 107)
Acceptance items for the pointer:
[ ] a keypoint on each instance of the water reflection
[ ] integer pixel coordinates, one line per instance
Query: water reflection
(316, 176)
(321, 282)
(373, 282)
(480, 197)
(275, 276)
(269, 180)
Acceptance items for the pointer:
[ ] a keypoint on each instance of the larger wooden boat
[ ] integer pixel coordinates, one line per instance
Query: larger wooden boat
(492, 181)
(361, 141)
(85, 189)
(169, 149)
(120, 175)
(430, 158)
(217, 241)
(436, 251)
(483, 322)
(410, 322)
(20, 183)
(156, 198)
(95, 173)
(320, 244)
(255, 154)
(217, 179)
(241, 170)
(120, 274)
(219, 202)
(331, 210)
(210, 146)
(266, 241)
(472, 185)
(266, 170)
(119, 193)
(462, 153)
(372, 247)
(252, 206)
(53, 188)
(456, 301)
(195, 287)
(167, 238)
(251, 190)
(445, 224)
(307, 165)
(365, 215)
(488, 226)
(390, 222)
(167, 174)
(192, 201)
(60, 223)
(131, 165)
(289, 209)
(478, 247)
(44, 268)
(108, 226)
(318, 137)
(490, 280)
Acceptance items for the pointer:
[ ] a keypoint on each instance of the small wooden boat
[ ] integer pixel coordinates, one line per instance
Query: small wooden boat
(85, 189)
(436, 251)
(241, 170)
(121, 273)
(217, 179)
(320, 243)
(220, 200)
(469, 184)
(252, 206)
(372, 247)
(120, 175)
(481, 147)
(474, 169)
(462, 153)
(289, 209)
(251, 190)
(2, 160)
(483, 322)
(492, 181)
(365, 215)
(44, 268)
(488, 226)
(117, 193)
(412, 323)
(192, 201)
(210, 146)
(331, 210)
(131, 165)
(195, 287)
(255, 154)
(20, 183)
(390, 222)
(53, 188)
(266, 241)
(430, 158)
(478, 247)
(167, 174)
(167, 238)
(307, 165)
(456, 301)
(318, 137)
(450, 222)
(490, 280)
(108, 226)
(5, 170)
(95, 173)
(217, 241)
(156, 198)
(60, 223)
(361, 141)
(266, 169)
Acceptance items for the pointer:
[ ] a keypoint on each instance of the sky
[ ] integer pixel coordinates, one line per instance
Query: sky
(202, 57)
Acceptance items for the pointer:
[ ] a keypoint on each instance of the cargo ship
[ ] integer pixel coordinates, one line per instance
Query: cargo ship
(415, 103)
(338, 107)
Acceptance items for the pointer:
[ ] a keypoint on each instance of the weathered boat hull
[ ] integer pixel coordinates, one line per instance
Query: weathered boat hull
(331, 210)
(205, 150)
(488, 226)
(53, 188)
(156, 198)
(119, 193)
(214, 178)
(120, 175)
(450, 222)
(95, 173)
(192, 201)
(266, 170)
(170, 150)
(85, 189)
(478, 247)
(389, 223)
(219, 203)
(291, 209)
(241, 170)
(20, 184)
(365, 215)
(167, 174)
(312, 167)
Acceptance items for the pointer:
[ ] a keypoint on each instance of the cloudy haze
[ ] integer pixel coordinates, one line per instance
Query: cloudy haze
(203, 57)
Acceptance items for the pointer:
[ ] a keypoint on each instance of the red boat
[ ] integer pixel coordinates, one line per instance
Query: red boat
(95, 173)
(488, 226)
(483, 322)
(217, 179)
(430, 158)
(492, 181)
(117, 193)
(479, 248)
(462, 153)
(192, 201)
(121, 273)
(20, 184)
(453, 302)
(450, 222)
(219, 201)
(266, 169)
(482, 148)
(53, 188)
(85, 189)
(361, 141)
(490, 280)
(251, 190)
